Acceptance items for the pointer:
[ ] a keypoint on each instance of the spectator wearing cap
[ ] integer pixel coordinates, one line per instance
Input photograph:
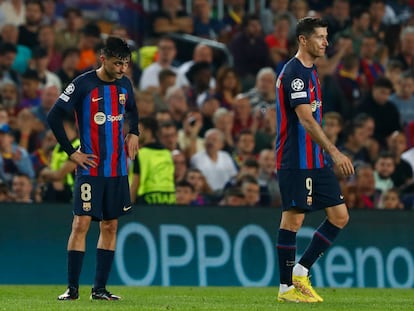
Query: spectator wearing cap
(13, 158)
(201, 53)
(30, 90)
(40, 63)
(199, 76)
(28, 32)
(70, 34)
(10, 34)
(8, 52)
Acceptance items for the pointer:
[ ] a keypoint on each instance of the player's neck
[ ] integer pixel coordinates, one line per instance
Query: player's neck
(100, 72)
(306, 59)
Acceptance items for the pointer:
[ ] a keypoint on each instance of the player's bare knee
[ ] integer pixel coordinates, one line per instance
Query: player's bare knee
(339, 220)
(109, 227)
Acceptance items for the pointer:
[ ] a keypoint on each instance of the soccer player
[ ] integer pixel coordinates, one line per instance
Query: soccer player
(100, 99)
(307, 183)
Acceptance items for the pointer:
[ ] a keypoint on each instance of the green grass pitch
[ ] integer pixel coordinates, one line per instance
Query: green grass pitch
(43, 298)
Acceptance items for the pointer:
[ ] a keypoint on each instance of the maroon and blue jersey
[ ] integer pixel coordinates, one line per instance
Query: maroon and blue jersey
(100, 108)
(297, 85)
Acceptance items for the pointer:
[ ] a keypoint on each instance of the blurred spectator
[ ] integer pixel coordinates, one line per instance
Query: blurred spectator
(153, 168)
(184, 193)
(299, 9)
(251, 190)
(202, 190)
(4, 193)
(59, 177)
(265, 134)
(278, 40)
(10, 34)
(201, 53)
(166, 79)
(21, 188)
(369, 67)
(244, 148)
(215, 164)
(228, 86)
(347, 79)
(205, 25)
(14, 12)
(68, 70)
(163, 116)
(199, 76)
(233, 196)
(403, 99)
(13, 158)
(41, 156)
(177, 104)
(385, 114)
(28, 32)
(358, 28)
(9, 99)
(406, 51)
(383, 169)
(267, 176)
(170, 17)
(145, 103)
(367, 123)
(377, 13)
(166, 55)
(243, 117)
(263, 95)
(189, 138)
(40, 63)
(277, 7)
(224, 121)
(180, 165)
(367, 195)
(4, 115)
(32, 121)
(30, 90)
(47, 40)
(168, 135)
(393, 71)
(249, 50)
(50, 16)
(90, 37)
(349, 191)
(208, 107)
(403, 173)
(390, 199)
(234, 15)
(332, 126)
(8, 52)
(353, 146)
(338, 19)
(70, 34)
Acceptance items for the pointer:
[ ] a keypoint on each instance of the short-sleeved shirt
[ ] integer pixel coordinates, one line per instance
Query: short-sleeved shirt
(100, 108)
(297, 85)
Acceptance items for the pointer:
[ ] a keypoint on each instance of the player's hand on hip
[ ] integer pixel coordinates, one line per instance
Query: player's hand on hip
(84, 160)
(132, 142)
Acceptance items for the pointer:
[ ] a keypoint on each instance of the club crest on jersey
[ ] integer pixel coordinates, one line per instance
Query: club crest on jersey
(86, 206)
(122, 99)
(69, 89)
(297, 84)
(315, 105)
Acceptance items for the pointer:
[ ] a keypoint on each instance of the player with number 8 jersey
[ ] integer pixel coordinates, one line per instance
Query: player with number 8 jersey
(100, 100)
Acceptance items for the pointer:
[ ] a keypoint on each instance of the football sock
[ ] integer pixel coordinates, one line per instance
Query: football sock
(104, 259)
(286, 250)
(283, 288)
(300, 270)
(321, 240)
(75, 260)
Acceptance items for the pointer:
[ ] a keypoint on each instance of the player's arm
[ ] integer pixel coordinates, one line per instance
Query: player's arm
(55, 119)
(131, 139)
(304, 113)
(51, 175)
(133, 189)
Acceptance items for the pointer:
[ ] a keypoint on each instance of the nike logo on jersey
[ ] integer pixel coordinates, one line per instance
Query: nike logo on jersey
(94, 100)
(341, 197)
(127, 208)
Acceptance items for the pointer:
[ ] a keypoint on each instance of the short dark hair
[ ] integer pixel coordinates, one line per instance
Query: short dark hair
(116, 47)
(151, 124)
(6, 47)
(185, 184)
(383, 82)
(69, 51)
(306, 26)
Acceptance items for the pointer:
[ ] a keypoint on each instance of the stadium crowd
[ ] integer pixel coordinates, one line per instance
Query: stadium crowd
(208, 125)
